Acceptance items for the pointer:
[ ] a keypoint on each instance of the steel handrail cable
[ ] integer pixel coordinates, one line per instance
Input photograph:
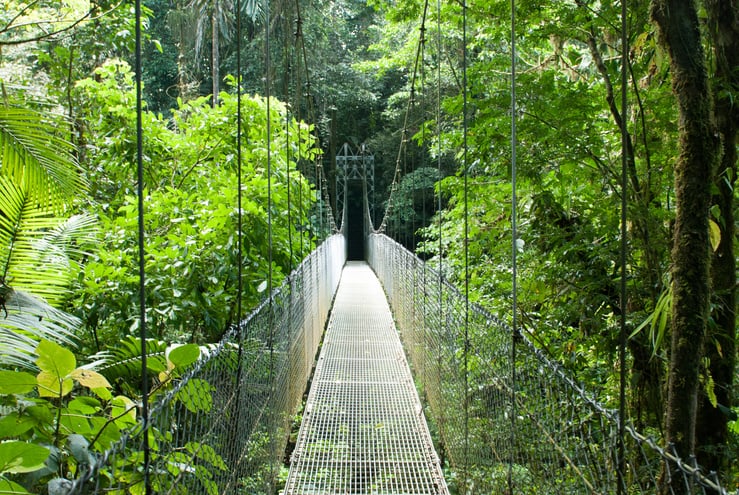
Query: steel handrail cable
(321, 181)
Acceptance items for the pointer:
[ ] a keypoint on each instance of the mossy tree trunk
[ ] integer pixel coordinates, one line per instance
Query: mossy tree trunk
(679, 35)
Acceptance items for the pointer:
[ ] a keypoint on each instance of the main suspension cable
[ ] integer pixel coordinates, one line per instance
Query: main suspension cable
(397, 175)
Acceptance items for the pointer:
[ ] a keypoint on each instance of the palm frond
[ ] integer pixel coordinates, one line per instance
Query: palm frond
(24, 321)
(71, 237)
(27, 230)
(123, 361)
(32, 154)
(255, 10)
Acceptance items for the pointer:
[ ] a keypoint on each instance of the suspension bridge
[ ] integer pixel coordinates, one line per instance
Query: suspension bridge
(483, 411)
(377, 376)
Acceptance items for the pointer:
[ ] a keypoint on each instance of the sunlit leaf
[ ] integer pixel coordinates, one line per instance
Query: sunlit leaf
(184, 355)
(89, 378)
(16, 382)
(21, 457)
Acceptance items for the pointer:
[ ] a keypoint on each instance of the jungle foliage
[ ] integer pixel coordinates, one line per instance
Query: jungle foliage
(68, 211)
(569, 190)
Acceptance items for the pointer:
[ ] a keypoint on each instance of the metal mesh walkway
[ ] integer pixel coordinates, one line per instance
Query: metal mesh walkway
(363, 428)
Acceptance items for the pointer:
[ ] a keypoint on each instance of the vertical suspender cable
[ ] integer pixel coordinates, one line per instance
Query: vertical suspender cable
(424, 325)
(442, 425)
(466, 242)
(239, 185)
(267, 94)
(287, 180)
(239, 231)
(514, 244)
(623, 247)
(142, 255)
(286, 87)
(239, 214)
(298, 110)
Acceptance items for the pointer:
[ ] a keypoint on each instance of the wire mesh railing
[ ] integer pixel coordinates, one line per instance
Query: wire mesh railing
(508, 418)
(223, 427)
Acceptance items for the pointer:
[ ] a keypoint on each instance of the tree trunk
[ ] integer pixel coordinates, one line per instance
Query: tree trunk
(712, 428)
(215, 57)
(679, 34)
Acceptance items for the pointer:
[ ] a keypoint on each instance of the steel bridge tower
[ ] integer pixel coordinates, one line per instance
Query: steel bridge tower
(350, 166)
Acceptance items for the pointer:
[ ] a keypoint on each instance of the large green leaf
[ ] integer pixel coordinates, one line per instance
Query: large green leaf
(11, 487)
(33, 155)
(55, 359)
(21, 457)
(184, 355)
(16, 382)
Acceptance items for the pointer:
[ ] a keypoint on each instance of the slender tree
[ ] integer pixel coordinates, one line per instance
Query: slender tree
(218, 16)
(712, 429)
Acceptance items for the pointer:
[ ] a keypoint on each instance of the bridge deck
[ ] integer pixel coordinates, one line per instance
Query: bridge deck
(363, 429)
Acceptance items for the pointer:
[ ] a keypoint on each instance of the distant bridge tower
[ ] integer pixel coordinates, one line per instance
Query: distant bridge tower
(355, 166)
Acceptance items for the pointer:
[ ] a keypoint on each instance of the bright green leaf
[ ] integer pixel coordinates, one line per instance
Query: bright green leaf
(714, 234)
(13, 425)
(10, 487)
(55, 359)
(76, 423)
(84, 405)
(105, 432)
(16, 382)
(51, 385)
(103, 393)
(21, 457)
(184, 355)
(123, 410)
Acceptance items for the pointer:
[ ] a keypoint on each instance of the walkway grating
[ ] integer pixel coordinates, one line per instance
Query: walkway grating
(363, 429)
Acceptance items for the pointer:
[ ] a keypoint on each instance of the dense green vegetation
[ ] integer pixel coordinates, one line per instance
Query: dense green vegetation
(68, 210)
